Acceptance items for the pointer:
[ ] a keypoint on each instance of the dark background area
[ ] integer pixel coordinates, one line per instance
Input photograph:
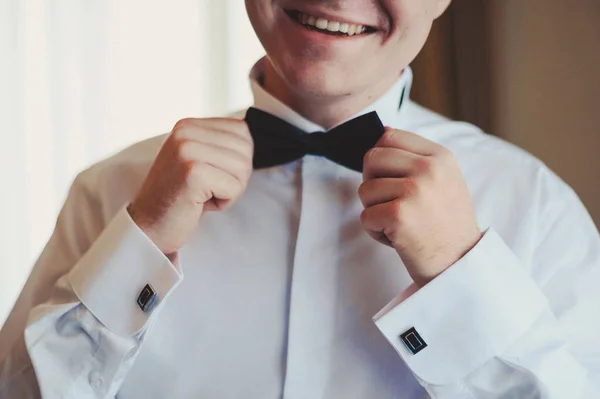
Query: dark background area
(453, 71)
(526, 71)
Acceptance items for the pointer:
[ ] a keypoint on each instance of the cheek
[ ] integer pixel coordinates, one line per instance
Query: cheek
(411, 22)
(261, 16)
(415, 15)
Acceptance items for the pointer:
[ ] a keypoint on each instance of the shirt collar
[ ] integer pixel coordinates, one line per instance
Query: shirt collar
(390, 107)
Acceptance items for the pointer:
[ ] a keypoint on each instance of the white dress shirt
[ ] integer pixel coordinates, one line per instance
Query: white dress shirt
(285, 296)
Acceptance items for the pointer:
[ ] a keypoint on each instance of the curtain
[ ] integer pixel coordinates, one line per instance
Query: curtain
(81, 80)
(453, 72)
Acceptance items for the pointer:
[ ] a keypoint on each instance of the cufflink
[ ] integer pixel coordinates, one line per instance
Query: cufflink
(147, 298)
(413, 341)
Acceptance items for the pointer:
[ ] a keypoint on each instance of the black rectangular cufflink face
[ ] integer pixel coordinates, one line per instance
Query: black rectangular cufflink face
(413, 341)
(147, 298)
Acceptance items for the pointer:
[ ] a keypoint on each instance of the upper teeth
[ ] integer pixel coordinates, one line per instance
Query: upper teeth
(332, 26)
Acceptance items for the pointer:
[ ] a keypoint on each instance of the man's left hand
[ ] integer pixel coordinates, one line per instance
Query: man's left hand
(416, 201)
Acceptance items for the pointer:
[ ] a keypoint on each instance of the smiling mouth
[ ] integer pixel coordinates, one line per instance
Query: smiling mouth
(328, 27)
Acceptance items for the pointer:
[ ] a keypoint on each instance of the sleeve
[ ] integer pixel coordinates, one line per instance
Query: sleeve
(77, 327)
(492, 327)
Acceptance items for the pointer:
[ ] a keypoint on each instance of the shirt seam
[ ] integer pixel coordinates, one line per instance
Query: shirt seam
(467, 390)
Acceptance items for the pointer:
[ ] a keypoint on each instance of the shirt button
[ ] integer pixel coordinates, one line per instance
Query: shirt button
(95, 379)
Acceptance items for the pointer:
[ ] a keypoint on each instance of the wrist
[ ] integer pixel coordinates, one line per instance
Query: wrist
(147, 224)
(424, 270)
(139, 217)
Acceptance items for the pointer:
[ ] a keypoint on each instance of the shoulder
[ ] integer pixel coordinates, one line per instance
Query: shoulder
(465, 138)
(492, 166)
(478, 151)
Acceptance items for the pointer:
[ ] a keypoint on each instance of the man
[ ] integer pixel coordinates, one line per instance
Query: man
(424, 259)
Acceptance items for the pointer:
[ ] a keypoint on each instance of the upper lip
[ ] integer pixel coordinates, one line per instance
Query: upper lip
(331, 17)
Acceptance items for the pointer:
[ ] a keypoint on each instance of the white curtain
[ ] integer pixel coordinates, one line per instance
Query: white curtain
(80, 80)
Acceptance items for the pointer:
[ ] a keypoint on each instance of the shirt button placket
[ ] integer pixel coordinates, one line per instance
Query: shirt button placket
(309, 326)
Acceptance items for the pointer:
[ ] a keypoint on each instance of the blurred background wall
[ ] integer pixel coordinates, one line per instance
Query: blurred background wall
(547, 86)
(527, 71)
(80, 80)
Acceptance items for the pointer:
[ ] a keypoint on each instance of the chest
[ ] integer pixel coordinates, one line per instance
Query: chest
(277, 301)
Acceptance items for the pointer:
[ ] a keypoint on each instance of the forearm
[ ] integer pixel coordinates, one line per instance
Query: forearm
(84, 338)
(491, 332)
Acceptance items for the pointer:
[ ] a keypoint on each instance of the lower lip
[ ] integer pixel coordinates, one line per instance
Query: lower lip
(317, 35)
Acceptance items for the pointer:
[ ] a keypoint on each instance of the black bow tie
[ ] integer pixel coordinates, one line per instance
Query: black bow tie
(277, 142)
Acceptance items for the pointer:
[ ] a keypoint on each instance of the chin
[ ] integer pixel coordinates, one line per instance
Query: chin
(314, 79)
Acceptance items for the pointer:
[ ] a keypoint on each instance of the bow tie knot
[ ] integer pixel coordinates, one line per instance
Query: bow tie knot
(316, 143)
(277, 142)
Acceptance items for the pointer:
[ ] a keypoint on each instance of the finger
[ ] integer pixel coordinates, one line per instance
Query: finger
(379, 218)
(388, 162)
(380, 237)
(408, 141)
(220, 138)
(237, 126)
(210, 183)
(379, 191)
(220, 157)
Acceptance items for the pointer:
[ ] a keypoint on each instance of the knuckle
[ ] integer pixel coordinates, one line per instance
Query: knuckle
(240, 128)
(243, 126)
(236, 162)
(237, 188)
(396, 210)
(362, 190)
(232, 188)
(186, 150)
(194, 173)
(198, 173)
(241, 168)
(443, 161)
(245, 175)
(388, 135)
(364, 215)
(410, 187)
(444, 154)
(249, 169)
(198, 183)
(250, 145)
(182, 124)
(423, 165)
(371, 154)
(248, 149)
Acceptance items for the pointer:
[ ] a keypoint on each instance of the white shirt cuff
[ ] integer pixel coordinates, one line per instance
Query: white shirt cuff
(467, 315)
(111, 275)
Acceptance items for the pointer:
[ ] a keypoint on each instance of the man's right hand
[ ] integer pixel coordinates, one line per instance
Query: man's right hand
(203, 165)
